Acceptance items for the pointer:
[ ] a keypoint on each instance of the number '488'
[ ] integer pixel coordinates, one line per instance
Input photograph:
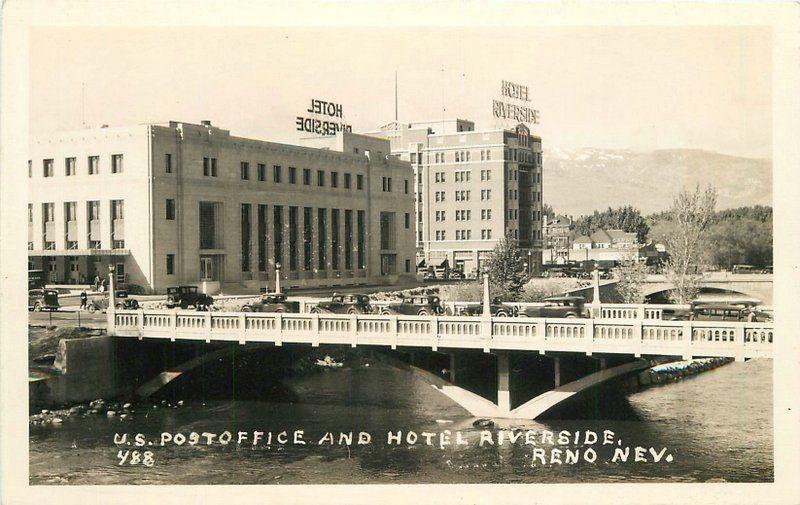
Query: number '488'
(135, 458)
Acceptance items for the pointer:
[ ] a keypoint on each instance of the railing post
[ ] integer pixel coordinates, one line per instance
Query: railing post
(589, 336)
(640, 312)
(140, 320)
(688, 335)
(278, 329)
(393, 328)
(434, 331)
(541, 334)
(738, 340)
(353, 330)
(314, 330)
(486, 332)
(242, 328)
(173, 324)
(638, 337)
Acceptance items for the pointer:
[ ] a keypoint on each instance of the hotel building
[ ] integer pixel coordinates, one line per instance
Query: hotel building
(472, 188)
(179, 203)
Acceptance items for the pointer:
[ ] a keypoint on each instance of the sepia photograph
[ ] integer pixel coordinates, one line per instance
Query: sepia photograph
(362, 254)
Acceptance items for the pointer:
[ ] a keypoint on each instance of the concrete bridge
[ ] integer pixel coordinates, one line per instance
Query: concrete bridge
(626, 336)
(757, 286)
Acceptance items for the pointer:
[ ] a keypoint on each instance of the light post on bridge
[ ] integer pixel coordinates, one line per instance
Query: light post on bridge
(487, 306)
(277, 277)
(112, 297)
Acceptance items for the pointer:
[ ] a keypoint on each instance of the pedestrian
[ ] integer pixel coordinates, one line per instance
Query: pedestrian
(97, 283)
(103, 284)
(84, 299)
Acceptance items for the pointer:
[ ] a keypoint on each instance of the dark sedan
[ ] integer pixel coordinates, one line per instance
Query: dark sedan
(43, 299)
(272, 302)
(558, 306)
(344, 304)
(497, 309)
(415, 306)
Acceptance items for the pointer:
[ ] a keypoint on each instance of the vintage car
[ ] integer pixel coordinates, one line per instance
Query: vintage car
(728, 312)
(557, 306)
(185, 296)
(456, 275)
(43, 299)
(272, 302)
(497, 309)
(122, 302)
(415, 306)
(344, 304)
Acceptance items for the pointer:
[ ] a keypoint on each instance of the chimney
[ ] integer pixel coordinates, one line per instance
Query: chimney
(206, 122)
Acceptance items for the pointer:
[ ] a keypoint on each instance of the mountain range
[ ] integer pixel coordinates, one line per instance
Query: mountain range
(580, 181)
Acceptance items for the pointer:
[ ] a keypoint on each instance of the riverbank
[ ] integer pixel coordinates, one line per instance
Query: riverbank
(675, 371)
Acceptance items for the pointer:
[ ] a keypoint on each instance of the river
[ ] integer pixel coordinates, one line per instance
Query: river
(715, 426)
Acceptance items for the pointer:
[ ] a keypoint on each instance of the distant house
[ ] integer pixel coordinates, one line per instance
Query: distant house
(613, 239)
(582, 242)
(556, 232)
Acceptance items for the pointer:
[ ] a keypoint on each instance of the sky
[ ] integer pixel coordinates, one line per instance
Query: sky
(640, 88)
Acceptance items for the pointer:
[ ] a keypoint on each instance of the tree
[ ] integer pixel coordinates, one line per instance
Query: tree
(632, 274)
(507, 271)
(626, 218)
(692, 214)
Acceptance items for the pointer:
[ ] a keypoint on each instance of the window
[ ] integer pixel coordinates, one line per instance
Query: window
(347, 181)
(168, 163)
(30, 168)
(320, 178)
(292, 175)
(245, 170)
(276, 173)
(386, 184)
(307, 238)
(486, 194)
(408, 266)
(407, 220)
(335, 239)
(170, 209)
(246, 216)
(488, 156)
(322, 238)
(457, 157)
(359, 181)
(116, 163)
(262, 172)
(334, 179)
(293, 238)
(468, 156)
(277, 231)
(405, 186)
(210, 167)
(69, 166)
(170, 264)
(47, 168)
(306, 177)
(414, 158)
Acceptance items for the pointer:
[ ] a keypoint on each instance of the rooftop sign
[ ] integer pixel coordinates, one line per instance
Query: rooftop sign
(320, 119)
(520, 112)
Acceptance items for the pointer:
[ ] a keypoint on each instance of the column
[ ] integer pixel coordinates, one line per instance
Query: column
(556, 372)
(503, 389)
(452, 368)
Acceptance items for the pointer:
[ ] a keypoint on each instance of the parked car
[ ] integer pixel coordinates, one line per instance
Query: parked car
(497, 309)
(430, 275)
(415, 306)
(43, 299)
(272, 302)
(344, 304)
(728, 312)
(123, 301)
(558, 306)
(456, 274)
(185, 296)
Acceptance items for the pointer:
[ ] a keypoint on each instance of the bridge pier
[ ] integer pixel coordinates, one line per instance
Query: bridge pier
(503, 381)
(452, 368)
(556, 371)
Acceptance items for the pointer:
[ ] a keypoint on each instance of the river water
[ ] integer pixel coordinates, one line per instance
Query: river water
(714, 426)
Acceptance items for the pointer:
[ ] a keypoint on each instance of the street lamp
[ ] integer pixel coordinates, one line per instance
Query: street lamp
(278, 277)
(487, 310)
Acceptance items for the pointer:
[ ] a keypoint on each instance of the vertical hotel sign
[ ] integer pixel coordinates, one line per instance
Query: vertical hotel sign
(518, 111)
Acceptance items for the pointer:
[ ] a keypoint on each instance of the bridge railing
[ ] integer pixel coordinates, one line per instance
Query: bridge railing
(626, 336)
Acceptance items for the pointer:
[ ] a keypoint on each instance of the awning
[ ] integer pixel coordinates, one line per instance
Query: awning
(80, 252)
(445, 264)
(421, 264)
